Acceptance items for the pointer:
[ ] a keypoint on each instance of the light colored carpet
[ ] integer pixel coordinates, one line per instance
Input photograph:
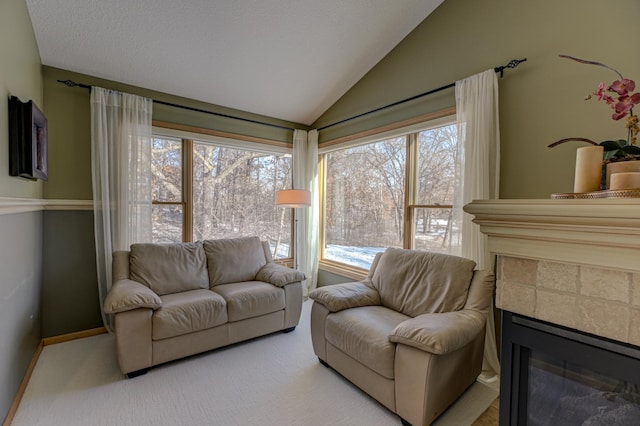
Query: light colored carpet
(272, 380)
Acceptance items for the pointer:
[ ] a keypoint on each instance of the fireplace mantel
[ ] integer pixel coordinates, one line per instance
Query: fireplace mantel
(598, 232)
(574, 263)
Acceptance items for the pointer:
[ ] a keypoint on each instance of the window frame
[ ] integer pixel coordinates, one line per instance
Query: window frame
(410, 132)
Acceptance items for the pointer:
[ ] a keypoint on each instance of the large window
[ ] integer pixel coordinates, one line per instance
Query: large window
(207, 190)
(396, 192)
(364, 201)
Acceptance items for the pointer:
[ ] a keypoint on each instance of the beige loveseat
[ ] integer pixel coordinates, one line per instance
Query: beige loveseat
(411, 335)
(174, 300)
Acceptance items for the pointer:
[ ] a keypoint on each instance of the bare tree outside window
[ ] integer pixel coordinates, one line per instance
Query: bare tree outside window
(365, 197)
(234, 192)
(364, 201)
(166, 186)
(437, 150)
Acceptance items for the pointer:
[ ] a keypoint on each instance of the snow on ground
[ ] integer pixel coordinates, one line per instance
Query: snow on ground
(360, 257)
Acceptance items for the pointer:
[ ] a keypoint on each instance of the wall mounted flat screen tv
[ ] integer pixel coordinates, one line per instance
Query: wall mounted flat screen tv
(27, 140)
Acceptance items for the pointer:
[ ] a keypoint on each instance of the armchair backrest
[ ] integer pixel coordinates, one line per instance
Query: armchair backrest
(417, 282)
(481, 291)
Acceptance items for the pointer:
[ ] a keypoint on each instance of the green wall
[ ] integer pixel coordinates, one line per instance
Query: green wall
(21, 241)
(20, 75)
(540, 102)
(70, 300)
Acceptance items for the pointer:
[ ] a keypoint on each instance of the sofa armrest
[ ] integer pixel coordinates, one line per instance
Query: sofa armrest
(279, 275)
(440, 333)
(126, 295)
(347, 295)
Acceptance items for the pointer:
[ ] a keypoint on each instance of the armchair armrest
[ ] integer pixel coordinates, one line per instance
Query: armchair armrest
(126, 295)
(440, 333)
(344, 296)
(279, 275)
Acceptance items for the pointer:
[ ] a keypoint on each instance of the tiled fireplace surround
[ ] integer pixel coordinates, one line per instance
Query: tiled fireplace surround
(600, 301)
(574, 263)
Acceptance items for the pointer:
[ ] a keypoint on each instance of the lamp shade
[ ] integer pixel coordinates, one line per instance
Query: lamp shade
(293, 198)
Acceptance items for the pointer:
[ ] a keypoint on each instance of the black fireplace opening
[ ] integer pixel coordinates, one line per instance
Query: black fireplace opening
(553, 375)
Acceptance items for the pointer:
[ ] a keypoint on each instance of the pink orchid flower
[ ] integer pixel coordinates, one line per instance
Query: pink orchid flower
(625, 104)
(602, 95)
(622, 87)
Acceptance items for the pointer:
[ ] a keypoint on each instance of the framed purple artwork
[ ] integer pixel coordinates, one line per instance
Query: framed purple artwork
(27, 140)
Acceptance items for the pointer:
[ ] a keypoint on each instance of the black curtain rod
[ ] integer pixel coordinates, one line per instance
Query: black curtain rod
(71, 83)
(512, 64)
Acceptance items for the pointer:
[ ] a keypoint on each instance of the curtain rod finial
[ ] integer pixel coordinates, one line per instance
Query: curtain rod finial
(512, 64)
(69, 83)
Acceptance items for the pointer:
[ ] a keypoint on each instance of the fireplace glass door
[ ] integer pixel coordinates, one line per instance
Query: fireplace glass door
(557, 376)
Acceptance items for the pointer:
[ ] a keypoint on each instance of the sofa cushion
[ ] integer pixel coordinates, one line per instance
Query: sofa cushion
(234, 260)
(186, 312)
(169, 268)
(251, 299)
(363, 334)
(415, 283)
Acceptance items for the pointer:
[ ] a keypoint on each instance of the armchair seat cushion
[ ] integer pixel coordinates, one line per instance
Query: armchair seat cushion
(251, 299)
(186, 312)
(363, 334)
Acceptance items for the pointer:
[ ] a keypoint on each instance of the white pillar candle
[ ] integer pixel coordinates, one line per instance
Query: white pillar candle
(588, 169)
(629, 180)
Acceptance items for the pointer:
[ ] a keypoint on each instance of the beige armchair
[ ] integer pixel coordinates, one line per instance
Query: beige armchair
(411, 335)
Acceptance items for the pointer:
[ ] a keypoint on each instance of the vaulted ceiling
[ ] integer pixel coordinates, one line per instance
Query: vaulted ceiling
(287, 59)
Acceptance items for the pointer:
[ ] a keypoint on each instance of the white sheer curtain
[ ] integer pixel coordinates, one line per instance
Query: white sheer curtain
(478, 177)
(121, 172)
(305, 176)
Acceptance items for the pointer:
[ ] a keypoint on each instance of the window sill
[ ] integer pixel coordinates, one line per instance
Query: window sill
(343, 270)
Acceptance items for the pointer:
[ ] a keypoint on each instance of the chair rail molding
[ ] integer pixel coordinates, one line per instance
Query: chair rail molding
(10, 205)
(598, 232)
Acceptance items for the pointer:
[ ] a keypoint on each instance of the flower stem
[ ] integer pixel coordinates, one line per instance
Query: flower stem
(600, 64)
(561, 141)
